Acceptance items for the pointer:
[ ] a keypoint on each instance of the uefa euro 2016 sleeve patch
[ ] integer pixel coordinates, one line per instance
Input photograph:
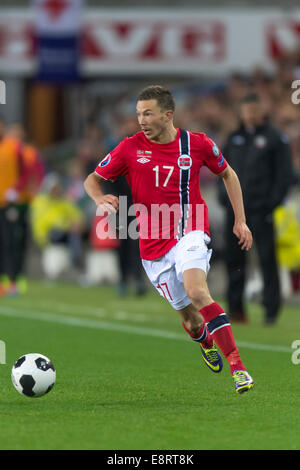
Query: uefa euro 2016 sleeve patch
(105, 160)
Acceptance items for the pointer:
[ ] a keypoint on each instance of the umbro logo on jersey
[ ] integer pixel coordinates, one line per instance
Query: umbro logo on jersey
(143, 160)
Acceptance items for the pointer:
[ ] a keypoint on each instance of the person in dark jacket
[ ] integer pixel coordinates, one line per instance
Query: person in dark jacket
(261, 156)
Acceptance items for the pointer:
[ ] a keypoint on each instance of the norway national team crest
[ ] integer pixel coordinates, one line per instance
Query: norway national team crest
(105, 160)
(185, 162)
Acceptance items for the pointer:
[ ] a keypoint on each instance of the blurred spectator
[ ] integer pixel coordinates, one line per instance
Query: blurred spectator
(288, 244)
(287, 118)
(2, 127)
(76, 194)
(91, 147)
(35, 174)
(261, 157)
(13, 183)
(238, 86)
(57, 222)
(75, 189)
(2, 292)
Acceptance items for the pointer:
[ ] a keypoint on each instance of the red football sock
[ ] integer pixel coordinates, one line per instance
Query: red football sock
(202, 336)
(220, 329)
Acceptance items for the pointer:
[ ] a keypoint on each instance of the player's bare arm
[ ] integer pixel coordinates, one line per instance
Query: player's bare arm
(92, 185)
(234, 191)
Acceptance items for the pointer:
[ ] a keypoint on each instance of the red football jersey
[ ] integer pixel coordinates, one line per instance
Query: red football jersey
(164, 181)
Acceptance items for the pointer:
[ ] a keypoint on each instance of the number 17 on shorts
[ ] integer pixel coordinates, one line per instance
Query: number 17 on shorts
(164, 289)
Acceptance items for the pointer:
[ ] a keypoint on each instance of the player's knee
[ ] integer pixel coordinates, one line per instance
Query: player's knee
(198, 295)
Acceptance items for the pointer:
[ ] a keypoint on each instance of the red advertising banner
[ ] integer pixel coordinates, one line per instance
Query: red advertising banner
(166, 41)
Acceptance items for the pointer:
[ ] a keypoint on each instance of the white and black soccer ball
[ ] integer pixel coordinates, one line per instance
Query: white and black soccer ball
(33, 375)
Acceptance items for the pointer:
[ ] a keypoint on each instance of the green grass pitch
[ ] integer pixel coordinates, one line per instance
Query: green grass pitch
(128, 377)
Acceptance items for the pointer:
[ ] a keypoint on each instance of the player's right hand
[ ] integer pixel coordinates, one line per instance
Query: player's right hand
(107, 204)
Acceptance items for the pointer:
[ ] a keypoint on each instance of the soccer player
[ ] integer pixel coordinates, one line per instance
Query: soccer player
(162, 164)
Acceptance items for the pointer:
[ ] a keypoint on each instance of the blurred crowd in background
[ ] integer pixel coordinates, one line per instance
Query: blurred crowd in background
(59, 214)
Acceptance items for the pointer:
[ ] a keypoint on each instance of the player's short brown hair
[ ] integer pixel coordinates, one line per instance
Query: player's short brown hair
(157, 92)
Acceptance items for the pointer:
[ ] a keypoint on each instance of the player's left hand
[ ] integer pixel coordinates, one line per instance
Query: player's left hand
(243, 233)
